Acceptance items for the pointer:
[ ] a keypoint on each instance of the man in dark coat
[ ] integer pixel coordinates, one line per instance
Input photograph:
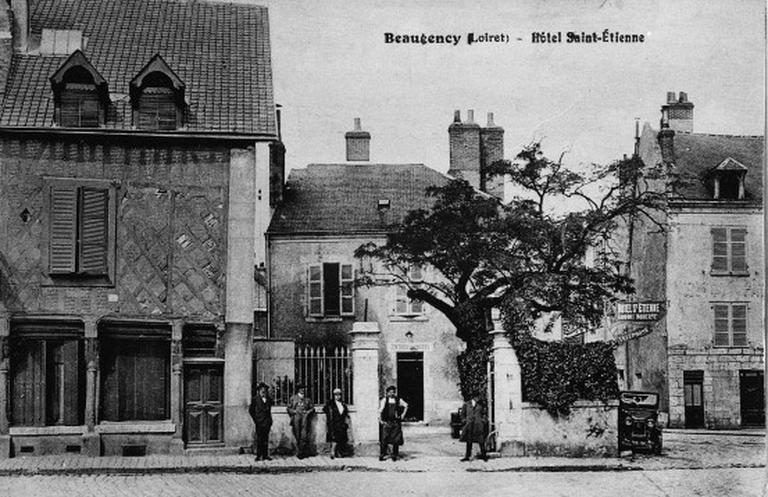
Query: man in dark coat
(300, 409)
(391, 413)
(336, 415)
(261, 412)
(475, 427)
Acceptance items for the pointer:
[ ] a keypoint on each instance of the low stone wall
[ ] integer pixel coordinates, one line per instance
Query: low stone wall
(590, 430)
(281, 439)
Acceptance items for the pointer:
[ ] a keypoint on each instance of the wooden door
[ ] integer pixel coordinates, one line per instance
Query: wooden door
(752, 398)
(693, 389)
(203, 413)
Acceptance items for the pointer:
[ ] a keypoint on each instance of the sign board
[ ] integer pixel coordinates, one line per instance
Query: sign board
(628, 334)
(639, 311)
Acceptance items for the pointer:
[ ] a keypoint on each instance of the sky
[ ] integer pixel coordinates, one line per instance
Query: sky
(331, 64)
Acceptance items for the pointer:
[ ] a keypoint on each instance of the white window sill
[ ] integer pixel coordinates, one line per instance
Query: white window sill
(729, 273)
(328, 319)
(395, 318)
(19, 431)
(135, 427)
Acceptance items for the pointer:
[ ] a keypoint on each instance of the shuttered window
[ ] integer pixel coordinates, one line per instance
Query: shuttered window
(135, 379)
(330, 290)
(79, 234)
(730, 325)
(79, 107)
(157, 109)
(729, 250)
(404, 305)
(47, 382)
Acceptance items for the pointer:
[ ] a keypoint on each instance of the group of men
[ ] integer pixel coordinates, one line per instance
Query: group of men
(392, 411)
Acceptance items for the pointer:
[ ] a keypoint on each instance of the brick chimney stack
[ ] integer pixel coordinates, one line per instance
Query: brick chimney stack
(473, 148)
(677, 113)
(358, 143)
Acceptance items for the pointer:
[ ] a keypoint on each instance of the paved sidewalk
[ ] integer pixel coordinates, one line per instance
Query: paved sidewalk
(682, 450)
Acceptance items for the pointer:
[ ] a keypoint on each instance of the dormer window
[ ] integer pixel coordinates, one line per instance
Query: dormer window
(80, 94)
(729, 180)
(157, 96)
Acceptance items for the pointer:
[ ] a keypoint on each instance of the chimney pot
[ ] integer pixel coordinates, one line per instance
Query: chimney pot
(671, 97)
(357, 124)
(683, 96)
(457, 116)
(490, 119)
(358, 143)
(471, 116)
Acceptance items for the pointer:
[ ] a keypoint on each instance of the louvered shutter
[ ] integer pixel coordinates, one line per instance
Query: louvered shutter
(63, 229)
(738, 250)
(315, 289)
(719, 249)
(739, 325)
(93, 230)
(347, 289)
(79, 108)
(157, 109)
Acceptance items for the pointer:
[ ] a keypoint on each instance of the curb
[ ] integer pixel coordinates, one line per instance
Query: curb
(276, 470)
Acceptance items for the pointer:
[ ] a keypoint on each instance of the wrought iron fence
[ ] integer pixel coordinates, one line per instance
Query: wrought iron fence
(321, 369)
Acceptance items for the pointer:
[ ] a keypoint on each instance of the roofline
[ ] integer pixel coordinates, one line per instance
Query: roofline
(693, 133)
(326, 234)
(97, 132)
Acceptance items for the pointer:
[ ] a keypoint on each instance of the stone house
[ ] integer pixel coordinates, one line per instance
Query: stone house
(137, 144)
(708, 269)
(328, 211)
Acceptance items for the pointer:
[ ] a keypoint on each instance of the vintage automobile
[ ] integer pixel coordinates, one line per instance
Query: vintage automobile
(639, 421)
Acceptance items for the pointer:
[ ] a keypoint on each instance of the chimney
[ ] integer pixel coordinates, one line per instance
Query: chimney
(464, 149)
(491, 150)
(20, 25)
(358, 143)
(677, 113)
(6, 44)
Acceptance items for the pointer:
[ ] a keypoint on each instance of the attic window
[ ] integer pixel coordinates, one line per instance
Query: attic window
(60, 41)
(384, 203)
(157, 96)
(80, 93)
(729, 180)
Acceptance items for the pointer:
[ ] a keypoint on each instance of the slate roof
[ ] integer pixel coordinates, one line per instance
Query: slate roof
(344, 198)
(697, 155)
(220, 51)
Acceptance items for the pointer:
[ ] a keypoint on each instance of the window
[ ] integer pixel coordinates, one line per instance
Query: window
(730, 325)
(157, 109)
(47, 382)
(135, 379)
(80, 93)
(157, 96)
(80, 228)
(729, 251)
(405, 306)
(331, 289)
(729, 180)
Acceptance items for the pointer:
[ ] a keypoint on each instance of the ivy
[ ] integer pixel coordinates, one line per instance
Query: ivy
(556, 374)
(473, 364)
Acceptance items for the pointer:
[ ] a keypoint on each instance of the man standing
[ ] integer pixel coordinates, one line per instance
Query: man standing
(475, 427)
(261, 412)
(336, 415)
(392, 410)
(300, 410)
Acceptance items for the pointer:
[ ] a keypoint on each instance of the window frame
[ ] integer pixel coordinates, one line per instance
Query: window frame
(412, 307)
(728, 243)
(78, 276)
(729, 320)
(315, 280)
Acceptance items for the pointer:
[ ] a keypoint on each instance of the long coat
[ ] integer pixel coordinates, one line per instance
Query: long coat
(261, 412)
(475, 424)
(336, 422)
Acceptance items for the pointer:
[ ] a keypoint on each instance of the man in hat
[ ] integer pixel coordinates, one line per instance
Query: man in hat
(261, 412)
(392, 410)
(300, 409)
(336, 415)
(475, 426)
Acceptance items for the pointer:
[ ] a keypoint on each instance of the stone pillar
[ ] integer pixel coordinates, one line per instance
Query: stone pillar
(508, 388)
(177, 402)
(238, 337)
(91, 439)
(365, 382)
(5, 358)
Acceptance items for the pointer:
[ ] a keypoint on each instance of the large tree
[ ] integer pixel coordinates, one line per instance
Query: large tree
(527, 256)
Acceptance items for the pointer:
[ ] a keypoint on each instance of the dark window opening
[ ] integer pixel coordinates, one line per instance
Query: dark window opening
(730, 186)
(47, 382)
(135, 378)
(331, 289)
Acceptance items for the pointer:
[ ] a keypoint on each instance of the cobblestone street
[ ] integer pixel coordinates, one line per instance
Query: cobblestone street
(677, 483)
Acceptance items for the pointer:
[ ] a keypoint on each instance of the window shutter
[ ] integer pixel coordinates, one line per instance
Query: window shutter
(93, 230)
(63, 229)
(347, 289)
(738, 250)
(721, 325)
(79, 108)
(28, 377)
(157, 109)
(401, 300)
(719, 249)
(315, 289)
(69, 353)
(739, 325)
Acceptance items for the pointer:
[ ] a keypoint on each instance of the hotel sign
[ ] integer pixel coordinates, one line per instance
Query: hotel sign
(639, 311)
